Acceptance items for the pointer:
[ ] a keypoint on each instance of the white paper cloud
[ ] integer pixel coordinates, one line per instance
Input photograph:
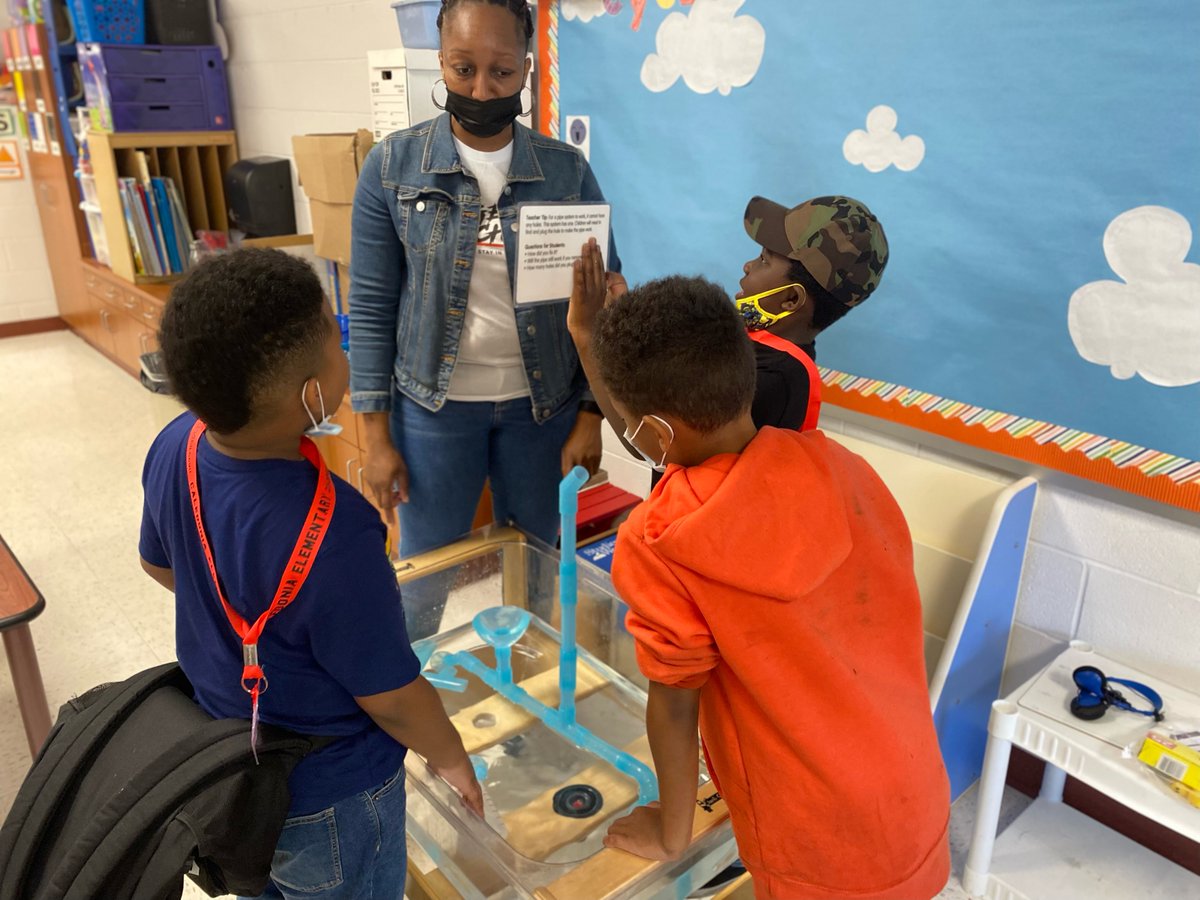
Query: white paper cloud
(1150, 324)
(880, 146)
(712, 48)
(583, 10)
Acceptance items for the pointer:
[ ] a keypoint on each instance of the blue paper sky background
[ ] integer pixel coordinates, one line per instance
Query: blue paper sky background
(1042, 122)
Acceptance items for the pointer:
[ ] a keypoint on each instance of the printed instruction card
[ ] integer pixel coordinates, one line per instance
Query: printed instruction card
(549, 239)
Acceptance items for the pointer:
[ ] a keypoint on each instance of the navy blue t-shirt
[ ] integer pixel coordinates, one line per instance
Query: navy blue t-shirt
(342, 637)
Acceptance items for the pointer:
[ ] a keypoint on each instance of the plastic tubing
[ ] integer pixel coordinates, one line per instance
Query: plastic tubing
(568, 590)
(623, 762)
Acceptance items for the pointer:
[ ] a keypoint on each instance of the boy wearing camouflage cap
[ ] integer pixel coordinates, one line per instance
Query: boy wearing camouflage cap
(819, 260)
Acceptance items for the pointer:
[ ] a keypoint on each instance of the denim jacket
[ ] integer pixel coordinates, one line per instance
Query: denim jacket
(414, 229)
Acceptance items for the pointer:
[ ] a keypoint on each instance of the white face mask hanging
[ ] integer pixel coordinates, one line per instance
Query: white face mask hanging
(323, 427)
(661, 465)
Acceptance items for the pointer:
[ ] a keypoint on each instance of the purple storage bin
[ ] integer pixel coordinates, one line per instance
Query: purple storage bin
(154, 89)
(122, 59)
(160, 117)
(186, 87)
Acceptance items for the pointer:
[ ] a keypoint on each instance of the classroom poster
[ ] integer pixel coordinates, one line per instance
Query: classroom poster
(1033, 165)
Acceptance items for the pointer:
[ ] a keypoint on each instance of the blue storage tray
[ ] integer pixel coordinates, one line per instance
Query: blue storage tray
(111, 21)
(418, 23)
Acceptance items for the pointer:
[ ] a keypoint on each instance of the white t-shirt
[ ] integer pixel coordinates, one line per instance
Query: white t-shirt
(490, 366)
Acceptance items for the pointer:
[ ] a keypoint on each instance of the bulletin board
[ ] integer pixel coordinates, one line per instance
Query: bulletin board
(1033, 164)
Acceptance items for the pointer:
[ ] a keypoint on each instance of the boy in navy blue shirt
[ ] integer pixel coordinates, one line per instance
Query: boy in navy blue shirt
(251, 347)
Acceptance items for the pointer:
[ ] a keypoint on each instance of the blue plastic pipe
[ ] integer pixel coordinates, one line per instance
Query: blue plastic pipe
(443, 667)
(568, 590)
(581, 737)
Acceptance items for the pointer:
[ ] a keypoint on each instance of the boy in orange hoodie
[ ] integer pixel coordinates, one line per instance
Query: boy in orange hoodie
(771, 592)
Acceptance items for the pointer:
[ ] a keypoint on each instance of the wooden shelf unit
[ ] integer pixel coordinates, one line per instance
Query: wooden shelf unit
(197, 162)
(54, 186)
(120, 319)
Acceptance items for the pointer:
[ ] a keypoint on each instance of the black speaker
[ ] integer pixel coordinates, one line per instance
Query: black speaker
(259, 192)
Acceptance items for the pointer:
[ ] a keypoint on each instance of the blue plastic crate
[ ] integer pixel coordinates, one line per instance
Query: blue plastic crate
(418, 23)
(109, 21)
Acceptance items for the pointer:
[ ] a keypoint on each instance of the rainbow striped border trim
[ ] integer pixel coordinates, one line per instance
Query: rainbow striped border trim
(1161, 476)
(549, 118)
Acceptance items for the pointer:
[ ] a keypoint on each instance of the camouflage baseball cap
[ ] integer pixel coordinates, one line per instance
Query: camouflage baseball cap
(836, 239)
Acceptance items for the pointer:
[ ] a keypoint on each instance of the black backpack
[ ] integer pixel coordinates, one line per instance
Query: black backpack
(136, 787)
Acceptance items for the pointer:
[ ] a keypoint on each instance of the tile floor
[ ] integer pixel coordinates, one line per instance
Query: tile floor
(73, 433)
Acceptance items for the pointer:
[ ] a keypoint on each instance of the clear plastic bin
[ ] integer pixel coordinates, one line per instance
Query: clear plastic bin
(418, 23)
(528, 763)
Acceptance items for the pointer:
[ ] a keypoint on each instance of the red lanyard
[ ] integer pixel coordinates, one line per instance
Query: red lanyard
(294, 574)
(814, 376)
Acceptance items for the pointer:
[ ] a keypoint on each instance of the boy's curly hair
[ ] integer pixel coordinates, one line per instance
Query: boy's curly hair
(239, 326)
(676, 345)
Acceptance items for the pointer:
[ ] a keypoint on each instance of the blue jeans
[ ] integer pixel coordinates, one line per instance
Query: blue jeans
(450, 453)
(354, 850)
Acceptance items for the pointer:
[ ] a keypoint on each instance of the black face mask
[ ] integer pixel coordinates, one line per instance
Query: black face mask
(483, 118)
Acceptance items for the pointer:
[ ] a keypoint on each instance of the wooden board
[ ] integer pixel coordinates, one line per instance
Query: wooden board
(537, 831)
(166, 138)
(454, 554)
(193, 189)
(610, 871)
(104, 168)
(431, 885)
(741, 888)
(214, 189)
(509, 718)
(279, 241)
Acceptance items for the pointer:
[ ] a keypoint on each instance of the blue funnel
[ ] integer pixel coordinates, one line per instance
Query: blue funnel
(501, 627)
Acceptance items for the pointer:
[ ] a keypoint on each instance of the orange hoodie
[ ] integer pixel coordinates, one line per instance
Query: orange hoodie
(780, 582)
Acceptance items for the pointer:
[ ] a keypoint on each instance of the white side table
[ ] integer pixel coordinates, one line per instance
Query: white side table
(1053, 852)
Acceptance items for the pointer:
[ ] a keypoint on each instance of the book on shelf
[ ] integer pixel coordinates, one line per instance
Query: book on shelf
(183, 231)
(162, 206)
(154, 219)
(135, 244)
(145, 217)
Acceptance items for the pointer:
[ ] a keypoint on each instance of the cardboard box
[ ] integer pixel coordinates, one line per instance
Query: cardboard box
(328, 167)
(1176, 755)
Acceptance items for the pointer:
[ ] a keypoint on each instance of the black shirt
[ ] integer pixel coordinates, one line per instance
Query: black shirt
(781, 392)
